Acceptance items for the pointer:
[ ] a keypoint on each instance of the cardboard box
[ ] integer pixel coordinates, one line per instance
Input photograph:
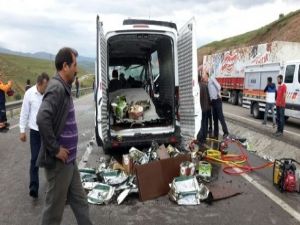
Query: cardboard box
(154, 178)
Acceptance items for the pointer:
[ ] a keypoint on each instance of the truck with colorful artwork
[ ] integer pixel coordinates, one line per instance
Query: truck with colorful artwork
(243, 74)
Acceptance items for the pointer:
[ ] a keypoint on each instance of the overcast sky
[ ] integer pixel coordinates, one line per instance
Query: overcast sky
(36, 25)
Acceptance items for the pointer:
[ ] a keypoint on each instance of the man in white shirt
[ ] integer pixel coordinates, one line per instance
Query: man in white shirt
(214, 90)
(30, 107)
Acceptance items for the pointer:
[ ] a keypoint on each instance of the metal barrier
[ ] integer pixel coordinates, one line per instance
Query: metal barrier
(11, 106)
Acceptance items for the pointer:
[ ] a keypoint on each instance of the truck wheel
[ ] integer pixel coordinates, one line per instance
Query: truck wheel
(256, 113)
(98, 139)
(234, 98)
(286, 118)
(240, 99)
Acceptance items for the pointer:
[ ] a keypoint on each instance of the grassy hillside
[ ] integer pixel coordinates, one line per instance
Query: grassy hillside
(286, 28)
(19, 69)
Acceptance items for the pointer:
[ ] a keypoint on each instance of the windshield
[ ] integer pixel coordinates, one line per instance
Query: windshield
(135, 71)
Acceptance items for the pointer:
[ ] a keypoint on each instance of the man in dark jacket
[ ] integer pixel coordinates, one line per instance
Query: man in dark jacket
(206, 110)
(59, 137)
(270, 91)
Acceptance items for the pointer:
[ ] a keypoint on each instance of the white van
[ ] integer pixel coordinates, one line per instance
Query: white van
(157, 63)
(256, 80)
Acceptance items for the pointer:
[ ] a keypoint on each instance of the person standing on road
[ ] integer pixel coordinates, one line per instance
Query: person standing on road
(28, 85)
(214, 89)
(4, 89)
(206, 109)
(280, 105)
(30, 106)
(58, 129)
(210, 131)
(270, 91)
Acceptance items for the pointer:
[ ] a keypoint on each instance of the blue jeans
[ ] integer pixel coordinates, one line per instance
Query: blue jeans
(2, 112)
(269, 106)
(280, 118)
(35, 144)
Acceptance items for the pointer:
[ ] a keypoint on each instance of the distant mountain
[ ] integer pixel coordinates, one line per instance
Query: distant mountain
(87, 63)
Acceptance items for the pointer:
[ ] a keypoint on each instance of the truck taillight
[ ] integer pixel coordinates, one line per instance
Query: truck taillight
(172, 140)
(115, 144)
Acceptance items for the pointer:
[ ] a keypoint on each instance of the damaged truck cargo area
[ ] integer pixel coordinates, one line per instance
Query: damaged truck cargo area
(139, 77)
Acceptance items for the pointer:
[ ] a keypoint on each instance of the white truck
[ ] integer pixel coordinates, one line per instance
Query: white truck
(229, 67)
(159, 66)
(256, 81)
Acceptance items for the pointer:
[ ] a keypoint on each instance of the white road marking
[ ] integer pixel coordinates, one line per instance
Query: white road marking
(253, 121)
(286, 207)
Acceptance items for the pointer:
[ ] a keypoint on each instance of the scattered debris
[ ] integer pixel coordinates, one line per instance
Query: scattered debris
(101, 194)
(138, 156)
(187, 168)
(88, 175)
(204, 169)
(156, 172)
(161, 172)
(185, 190)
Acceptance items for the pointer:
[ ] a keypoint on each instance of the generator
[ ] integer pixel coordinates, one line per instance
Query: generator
(285, 175)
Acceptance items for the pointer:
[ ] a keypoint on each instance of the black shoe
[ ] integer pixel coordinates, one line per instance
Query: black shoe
(278, 134)
(34, 194)
(225, 136)
(4, 129)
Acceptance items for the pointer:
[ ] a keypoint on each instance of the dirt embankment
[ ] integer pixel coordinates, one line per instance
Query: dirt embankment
(286, 28)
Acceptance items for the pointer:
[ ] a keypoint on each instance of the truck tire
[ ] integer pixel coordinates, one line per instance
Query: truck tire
(98, 139)
(240, 98)
(234, 98)
(256, 113)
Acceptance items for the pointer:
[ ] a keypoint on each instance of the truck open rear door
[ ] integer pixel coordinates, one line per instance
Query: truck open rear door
(189, 108)
(101, 85)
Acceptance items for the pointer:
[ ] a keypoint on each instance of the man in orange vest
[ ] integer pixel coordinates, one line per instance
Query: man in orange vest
(4, 88)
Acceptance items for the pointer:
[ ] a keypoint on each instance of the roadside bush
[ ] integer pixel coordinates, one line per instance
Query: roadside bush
(281, 15)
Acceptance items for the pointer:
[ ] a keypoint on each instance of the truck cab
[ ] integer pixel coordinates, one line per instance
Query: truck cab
(292, 82)
(155, 71)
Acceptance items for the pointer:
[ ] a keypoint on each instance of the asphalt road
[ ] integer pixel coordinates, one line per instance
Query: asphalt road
(251, 207)
(243, 117)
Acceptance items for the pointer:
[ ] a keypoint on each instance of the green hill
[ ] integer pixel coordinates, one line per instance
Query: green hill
(286, 28)
(19, 69)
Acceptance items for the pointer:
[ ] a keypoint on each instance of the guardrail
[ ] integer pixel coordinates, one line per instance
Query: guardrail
(11, 106)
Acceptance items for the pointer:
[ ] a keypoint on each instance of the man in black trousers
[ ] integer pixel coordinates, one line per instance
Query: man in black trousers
(214, 89)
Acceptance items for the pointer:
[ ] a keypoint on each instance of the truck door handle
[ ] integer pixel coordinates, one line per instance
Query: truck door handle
(297, 90)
